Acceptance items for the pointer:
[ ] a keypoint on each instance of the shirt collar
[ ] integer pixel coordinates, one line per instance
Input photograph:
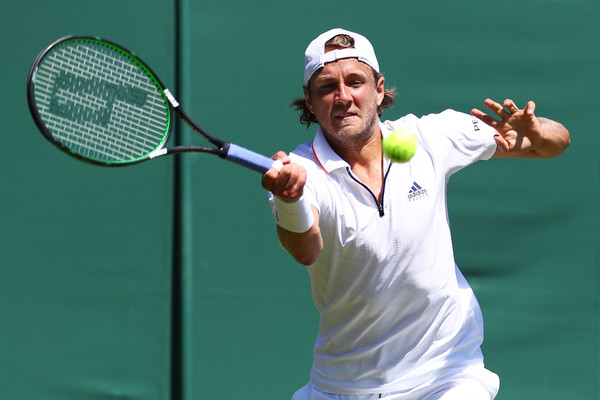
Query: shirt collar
(326, 157)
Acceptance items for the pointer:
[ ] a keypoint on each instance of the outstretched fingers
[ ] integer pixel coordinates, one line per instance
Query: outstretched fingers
(507, 111)
(530, 108)
(488, 120)
(498, 108)
(511, 106)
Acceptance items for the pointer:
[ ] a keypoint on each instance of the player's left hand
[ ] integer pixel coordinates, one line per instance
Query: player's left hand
(518, 130)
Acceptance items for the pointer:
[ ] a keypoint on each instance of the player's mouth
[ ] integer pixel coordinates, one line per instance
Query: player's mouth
(346, 115)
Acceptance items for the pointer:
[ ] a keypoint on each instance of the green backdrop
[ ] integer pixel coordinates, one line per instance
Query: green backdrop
(165, 280)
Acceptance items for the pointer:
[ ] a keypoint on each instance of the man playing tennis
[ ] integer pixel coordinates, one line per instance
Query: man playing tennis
(398, 321)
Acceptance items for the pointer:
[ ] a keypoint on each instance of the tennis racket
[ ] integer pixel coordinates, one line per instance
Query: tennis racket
(100, 103)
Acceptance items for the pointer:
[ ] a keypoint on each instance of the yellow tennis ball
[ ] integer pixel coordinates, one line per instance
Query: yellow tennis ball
(400, 145)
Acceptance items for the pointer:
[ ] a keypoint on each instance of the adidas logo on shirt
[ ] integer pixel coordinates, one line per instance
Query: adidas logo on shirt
(416, 192)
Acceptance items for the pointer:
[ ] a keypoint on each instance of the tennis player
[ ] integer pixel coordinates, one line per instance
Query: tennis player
(398, 321)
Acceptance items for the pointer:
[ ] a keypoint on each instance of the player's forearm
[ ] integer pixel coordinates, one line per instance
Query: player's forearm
(554, 140)
(305, 247)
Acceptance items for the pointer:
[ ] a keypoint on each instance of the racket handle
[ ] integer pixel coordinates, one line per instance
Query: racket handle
(250, 159)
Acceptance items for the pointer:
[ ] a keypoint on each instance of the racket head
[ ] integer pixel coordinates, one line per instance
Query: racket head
(98, 102)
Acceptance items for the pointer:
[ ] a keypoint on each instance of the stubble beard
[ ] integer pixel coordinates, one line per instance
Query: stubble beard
(349, 135)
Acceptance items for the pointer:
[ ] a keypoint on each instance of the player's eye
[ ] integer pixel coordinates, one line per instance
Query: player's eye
(327, 87)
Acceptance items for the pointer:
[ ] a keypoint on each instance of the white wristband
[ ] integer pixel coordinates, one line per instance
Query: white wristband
(296, 216)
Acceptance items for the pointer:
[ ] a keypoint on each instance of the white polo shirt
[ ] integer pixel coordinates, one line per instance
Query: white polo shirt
(396, 314)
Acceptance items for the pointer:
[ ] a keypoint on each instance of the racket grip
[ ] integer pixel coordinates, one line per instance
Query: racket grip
(250, 159)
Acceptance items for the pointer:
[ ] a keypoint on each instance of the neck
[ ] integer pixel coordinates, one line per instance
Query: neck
(365, 159)
(360, 149)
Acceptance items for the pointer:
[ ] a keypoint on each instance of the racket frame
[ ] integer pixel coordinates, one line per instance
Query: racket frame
(223, 149)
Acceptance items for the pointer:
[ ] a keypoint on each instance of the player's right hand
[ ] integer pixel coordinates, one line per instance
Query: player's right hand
(288, 183)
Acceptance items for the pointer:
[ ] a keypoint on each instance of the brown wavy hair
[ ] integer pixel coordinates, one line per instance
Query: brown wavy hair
(341, 41)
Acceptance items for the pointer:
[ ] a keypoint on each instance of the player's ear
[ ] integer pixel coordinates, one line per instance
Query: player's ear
(380, 87)
(307, 99)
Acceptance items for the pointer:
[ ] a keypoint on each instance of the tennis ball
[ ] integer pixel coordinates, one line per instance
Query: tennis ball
(399, 145)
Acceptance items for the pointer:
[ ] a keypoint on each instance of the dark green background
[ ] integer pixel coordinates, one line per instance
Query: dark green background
(88, 253)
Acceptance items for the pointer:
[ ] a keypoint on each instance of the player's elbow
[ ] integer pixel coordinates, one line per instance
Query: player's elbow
(566, 139)
(557, 139)
(563, 141)
(306, 258)
(307, 253)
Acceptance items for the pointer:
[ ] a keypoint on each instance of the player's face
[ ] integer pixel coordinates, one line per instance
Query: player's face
(344, 98)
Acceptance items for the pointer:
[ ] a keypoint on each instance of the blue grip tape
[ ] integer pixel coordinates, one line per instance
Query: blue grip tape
(250, 159)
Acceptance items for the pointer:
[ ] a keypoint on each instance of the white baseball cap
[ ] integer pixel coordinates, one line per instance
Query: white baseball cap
(315, 56)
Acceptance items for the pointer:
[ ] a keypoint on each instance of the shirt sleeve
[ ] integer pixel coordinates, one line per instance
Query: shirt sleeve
(453, 138)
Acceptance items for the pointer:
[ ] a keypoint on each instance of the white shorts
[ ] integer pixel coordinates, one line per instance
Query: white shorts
(482, 386)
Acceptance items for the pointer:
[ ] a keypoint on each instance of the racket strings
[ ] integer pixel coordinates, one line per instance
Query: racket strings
(100, 103)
